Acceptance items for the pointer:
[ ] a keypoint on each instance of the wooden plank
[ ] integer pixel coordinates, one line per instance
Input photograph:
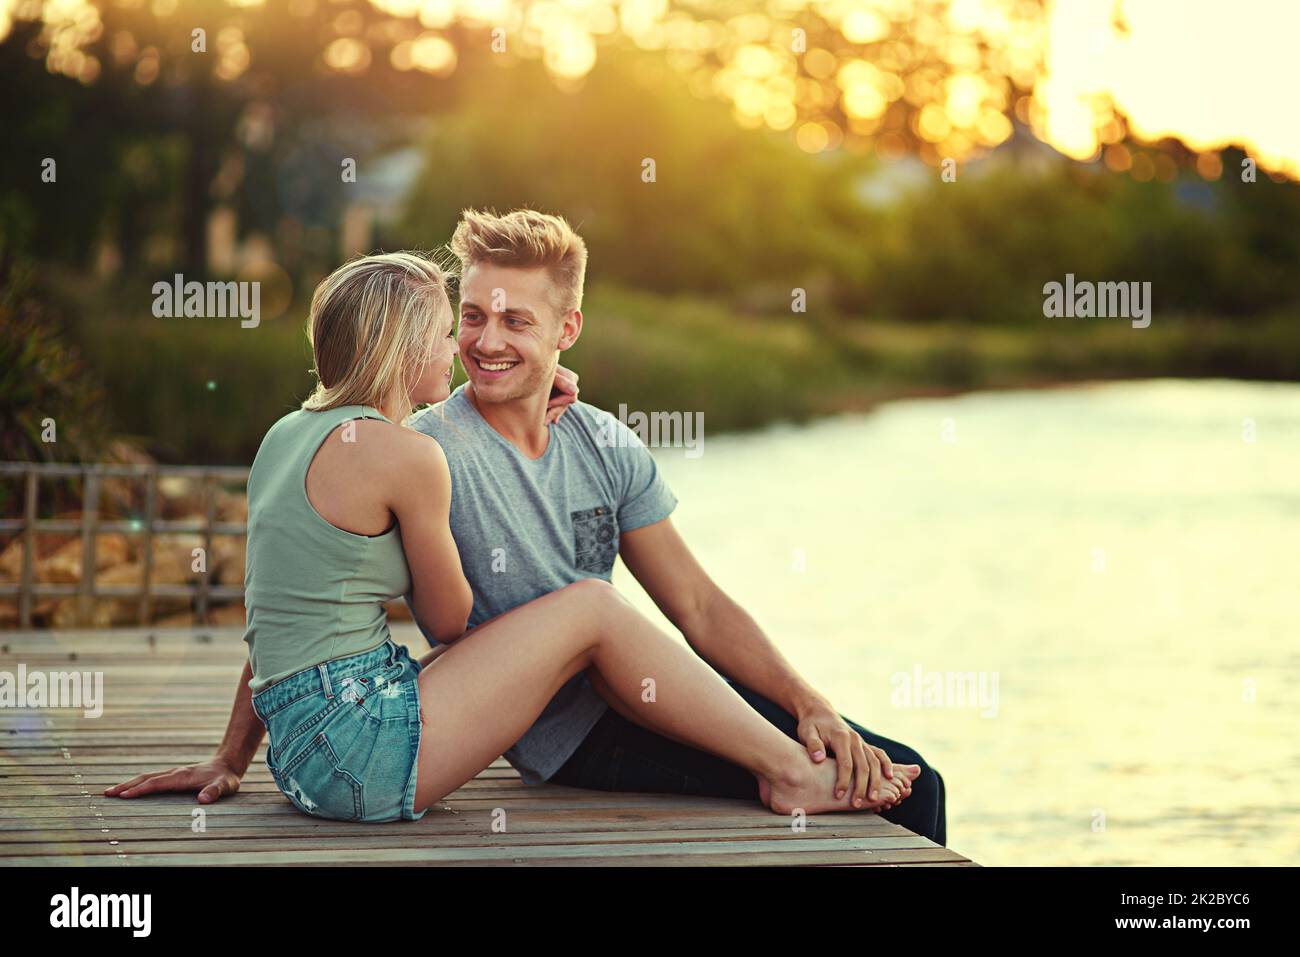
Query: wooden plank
(541, 831)
(736, 854)
(167, 700)
(725, 839)
(586, 801)
(442, 820)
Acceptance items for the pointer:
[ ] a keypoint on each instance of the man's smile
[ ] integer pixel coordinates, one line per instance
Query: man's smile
(495, 367)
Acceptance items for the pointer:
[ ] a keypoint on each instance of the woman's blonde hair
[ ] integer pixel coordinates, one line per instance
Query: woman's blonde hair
(374, 324)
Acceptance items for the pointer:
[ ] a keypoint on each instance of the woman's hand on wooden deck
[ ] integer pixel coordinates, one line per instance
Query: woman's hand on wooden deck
(212, 780)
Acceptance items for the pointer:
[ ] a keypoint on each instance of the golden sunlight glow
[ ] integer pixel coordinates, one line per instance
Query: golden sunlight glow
(428, 52)
(1103, 79)
(570, 51)
(347, 55)
(1208, 73)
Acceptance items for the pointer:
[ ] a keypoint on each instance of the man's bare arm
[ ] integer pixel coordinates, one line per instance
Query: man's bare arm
(726, 636)
(216, 778)
(718, 629)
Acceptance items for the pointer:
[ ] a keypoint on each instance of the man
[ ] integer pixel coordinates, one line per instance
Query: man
(538, 504)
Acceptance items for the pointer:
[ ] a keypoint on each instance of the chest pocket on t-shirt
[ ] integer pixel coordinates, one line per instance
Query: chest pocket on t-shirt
(595, 539)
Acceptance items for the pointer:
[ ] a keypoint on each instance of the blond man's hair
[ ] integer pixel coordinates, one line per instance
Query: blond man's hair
(525, 239)
(374, 324)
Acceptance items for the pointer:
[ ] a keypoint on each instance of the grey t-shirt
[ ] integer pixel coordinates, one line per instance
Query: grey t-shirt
(525, 528)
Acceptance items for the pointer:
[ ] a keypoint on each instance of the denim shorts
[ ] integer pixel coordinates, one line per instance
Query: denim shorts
(345, 735)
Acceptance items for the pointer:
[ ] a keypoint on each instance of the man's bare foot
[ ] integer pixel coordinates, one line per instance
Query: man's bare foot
(813, 790)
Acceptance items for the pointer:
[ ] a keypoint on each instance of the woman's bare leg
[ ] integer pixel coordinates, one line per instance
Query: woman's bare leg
(482, 694)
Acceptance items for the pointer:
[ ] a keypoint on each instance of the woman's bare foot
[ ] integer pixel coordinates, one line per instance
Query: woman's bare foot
(904, 775)
(814, 792)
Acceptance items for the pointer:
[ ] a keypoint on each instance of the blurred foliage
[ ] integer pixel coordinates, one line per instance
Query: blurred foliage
(51, 406)
(746, 215)
(982, 247)
(203, 392)
(158, 134)
(834, 72)
(913, 284)
(196, 390)
(728, 208)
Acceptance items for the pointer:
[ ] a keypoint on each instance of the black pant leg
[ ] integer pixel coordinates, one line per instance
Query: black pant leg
(620, 755)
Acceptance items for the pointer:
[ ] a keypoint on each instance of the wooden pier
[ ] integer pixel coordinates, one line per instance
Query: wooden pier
(167, 696)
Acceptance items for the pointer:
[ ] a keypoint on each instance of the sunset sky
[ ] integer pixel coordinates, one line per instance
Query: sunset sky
(1208, 72)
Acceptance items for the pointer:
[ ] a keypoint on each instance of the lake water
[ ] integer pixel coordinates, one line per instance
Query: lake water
(1117, 564)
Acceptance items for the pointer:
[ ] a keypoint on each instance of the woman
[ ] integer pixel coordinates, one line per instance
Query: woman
(348, 510)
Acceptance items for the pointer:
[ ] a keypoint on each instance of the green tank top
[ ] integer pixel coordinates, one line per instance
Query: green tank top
(313, 591)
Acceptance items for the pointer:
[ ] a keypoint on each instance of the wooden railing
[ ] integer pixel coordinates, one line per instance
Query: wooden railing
(89, 527)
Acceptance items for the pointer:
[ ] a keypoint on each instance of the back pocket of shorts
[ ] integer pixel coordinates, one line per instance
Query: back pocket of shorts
(304, 716)
(317, 785)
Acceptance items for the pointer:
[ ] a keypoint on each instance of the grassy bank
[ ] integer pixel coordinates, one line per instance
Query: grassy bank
(743, 371)
(195, 390)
